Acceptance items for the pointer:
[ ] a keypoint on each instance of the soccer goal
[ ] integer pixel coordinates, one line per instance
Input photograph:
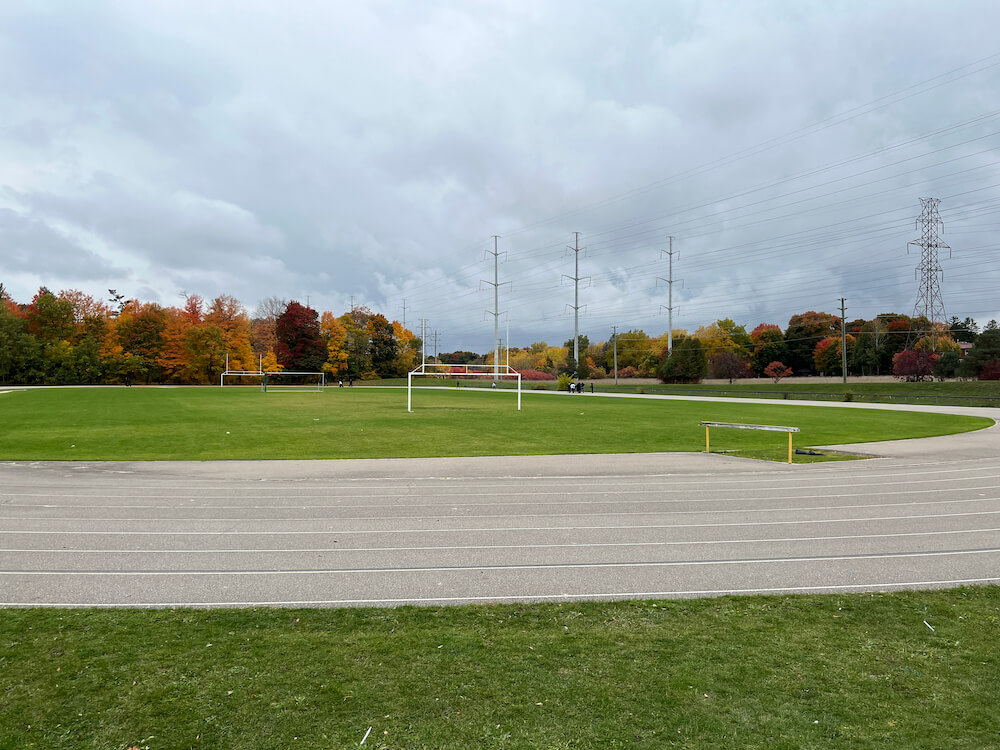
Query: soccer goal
(483, 372)
(240, 377)
(293, 382)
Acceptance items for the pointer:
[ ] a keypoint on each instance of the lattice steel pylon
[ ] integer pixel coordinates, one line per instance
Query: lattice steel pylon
(929, 303)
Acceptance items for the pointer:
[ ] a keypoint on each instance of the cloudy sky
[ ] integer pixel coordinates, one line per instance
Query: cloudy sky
(367, 152)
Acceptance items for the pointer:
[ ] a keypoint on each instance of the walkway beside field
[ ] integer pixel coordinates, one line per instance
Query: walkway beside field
(449, 530)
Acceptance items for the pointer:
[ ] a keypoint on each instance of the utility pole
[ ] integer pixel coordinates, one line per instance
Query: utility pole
(843, 337)
(507, 363)
(496, 305)
(404, 312)
(576, 298)
(929, 303)
(423, 341)
(614, 337)
(670, 294)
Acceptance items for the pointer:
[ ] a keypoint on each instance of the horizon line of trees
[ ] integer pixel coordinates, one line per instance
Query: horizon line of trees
(72, 338)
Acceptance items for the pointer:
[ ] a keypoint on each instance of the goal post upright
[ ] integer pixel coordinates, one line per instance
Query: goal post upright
(459, 371)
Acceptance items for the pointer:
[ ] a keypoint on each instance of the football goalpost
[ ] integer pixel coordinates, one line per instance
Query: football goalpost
(458, 372)
(293, 382)
(239, 374)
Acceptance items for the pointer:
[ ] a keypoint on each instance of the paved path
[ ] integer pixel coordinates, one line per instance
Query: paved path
(449, 530)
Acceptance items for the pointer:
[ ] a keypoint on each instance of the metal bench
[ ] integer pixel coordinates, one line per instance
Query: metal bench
(769, 427)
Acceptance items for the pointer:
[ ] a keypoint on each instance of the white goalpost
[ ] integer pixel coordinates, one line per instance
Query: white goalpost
(458, 372)
(258, 373)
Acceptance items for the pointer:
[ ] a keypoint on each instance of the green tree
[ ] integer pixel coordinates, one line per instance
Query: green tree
(963, 330)
(49, 318)
(383, 346)
(21, 359)
(686, 363)
(985, 348)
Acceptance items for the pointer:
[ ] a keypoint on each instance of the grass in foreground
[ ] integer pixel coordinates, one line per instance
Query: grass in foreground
(243, 423)
(846, 671)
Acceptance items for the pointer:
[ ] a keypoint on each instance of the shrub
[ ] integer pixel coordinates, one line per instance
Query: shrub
(536, 375)
(914, 366)
(563, 382)
(628, 372)
(991, 370)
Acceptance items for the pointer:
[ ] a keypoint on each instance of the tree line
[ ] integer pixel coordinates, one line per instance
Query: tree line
(811, 344)
(72, 338)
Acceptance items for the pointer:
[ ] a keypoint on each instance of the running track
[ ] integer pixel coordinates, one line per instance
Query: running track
(440, 531)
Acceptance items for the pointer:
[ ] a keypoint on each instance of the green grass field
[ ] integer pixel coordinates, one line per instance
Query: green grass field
(843, 671)
(945, 393)
(242, 423)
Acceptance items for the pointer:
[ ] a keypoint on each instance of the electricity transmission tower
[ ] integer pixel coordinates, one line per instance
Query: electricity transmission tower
(575, 278)
(669, 281)
(929, 301)
(495, 252)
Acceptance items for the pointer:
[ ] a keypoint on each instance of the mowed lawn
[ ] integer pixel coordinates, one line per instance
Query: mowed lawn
(903, 670)
(243, 423)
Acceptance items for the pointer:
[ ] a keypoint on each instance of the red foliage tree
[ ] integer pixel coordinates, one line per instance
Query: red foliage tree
(991, 370)
(299, 344)
(914, 366)
(776, 371)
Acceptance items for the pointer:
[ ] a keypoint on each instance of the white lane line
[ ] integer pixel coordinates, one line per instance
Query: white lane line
(516, 566)
(485, 547)
(575, 527)
(454, 500)
(468, 516)
(565, 597)
(673, 480)
(671, 483)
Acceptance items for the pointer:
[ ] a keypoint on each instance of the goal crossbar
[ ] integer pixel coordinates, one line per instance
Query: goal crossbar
(460, 371)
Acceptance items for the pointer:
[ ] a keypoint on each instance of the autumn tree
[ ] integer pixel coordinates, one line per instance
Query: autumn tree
(804, 332)
(827, 355)
(408, 345)
(767, 345)
(729, 364)
(138, 331)
(335, 337)
(50, 318)
(777, 371)
(227, 314)
(299, 345)
(914, 366)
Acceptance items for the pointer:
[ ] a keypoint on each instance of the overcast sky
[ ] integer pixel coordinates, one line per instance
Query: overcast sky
(368, 151)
